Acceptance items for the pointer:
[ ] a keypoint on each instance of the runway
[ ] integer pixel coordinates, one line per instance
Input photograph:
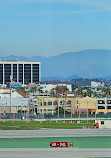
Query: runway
(54, 153)
(54, 133)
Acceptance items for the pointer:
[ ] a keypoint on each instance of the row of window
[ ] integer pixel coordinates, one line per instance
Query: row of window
(99, 101)
(103, 107)
(103, 101)
(55, 103)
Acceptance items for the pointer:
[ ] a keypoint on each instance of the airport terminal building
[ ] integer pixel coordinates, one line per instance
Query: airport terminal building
(19, 71)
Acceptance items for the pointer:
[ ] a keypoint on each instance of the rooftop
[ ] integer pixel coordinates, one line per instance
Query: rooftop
(23, 94)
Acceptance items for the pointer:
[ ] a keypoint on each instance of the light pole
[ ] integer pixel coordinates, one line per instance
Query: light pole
(87, 111)
(71, 112)
(95, 110)
(64, 109)
(43, 108)
(58, 106)
(10, 92)
(79, 112)
(28, 111)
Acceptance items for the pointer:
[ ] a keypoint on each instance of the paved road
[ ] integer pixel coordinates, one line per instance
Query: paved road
(54, 153)
(54, 133)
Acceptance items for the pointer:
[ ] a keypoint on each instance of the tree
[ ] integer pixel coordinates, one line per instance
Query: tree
(46, 91)
(58, 90)
(106, 92)
(73, 87)
(22, 89)
(89, 92)
(52, 91)
(79, 91)
(40, 89)
(61, 89)
(33, 89)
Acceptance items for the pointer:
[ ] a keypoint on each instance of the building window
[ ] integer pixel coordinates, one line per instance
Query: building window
(108, 101)
(15, 72)
(44, 103)
(1, 73)
(102, 122)
(55, 102)
(40, 103)
(62, 102)
(49, 102)
(101, 107)
(101, 101)
(108, 107)
(7, 72)
(49, 110)
(27, 73)
(35, 68)
(21, 73)
(68, 103)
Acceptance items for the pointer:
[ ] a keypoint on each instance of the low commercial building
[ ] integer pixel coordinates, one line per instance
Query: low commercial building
(104, 105)
(13, 101)
(48, 105)
(82, 105)
(87, 104)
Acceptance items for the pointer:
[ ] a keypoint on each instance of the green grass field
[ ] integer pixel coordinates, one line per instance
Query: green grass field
(19, 125)
(78, 142)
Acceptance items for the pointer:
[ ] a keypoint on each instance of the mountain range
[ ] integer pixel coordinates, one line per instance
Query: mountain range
(92, 63)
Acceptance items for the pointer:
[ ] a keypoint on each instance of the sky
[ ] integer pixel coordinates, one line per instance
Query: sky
(53, 27)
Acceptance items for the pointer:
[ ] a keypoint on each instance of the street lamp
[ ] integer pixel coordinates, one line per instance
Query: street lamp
(58, 106)
(43, 108)
(87, 110)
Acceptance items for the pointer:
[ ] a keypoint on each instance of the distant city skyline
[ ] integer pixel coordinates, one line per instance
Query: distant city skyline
(53, 27)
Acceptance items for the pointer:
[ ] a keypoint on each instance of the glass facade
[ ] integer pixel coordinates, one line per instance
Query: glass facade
(15, 72)
(7, 72)
(27, 73)
(24, 72)
(21, 73)
(35, 68)
(1, 73)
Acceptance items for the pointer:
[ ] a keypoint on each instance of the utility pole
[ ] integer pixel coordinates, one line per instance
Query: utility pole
(10, 92)
(71, 112)
(87, 112)
(95, 110)
(58, 106)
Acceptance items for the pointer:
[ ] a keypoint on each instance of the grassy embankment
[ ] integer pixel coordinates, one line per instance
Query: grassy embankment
(21, 125)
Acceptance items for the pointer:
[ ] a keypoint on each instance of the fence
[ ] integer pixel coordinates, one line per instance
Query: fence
(23, 116)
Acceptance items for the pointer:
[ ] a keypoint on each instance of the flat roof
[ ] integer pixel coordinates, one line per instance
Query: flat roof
(16, 61)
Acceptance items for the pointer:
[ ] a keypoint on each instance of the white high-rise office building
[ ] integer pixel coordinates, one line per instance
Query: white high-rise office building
(20, 71)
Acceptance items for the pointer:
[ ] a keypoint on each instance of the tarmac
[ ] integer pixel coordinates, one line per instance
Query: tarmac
(54, 152)
(54, 133)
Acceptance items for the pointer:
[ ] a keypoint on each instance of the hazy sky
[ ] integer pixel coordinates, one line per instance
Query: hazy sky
(52, 27)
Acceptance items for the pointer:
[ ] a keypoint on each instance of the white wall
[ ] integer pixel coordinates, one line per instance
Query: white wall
(48, 87)
(14, 101)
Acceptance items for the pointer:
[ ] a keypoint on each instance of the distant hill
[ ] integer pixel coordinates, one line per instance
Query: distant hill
(93, 63)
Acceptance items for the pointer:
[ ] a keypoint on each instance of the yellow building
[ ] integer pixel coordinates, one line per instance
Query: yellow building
(87, 104)
(48, 105)
(104, 105)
